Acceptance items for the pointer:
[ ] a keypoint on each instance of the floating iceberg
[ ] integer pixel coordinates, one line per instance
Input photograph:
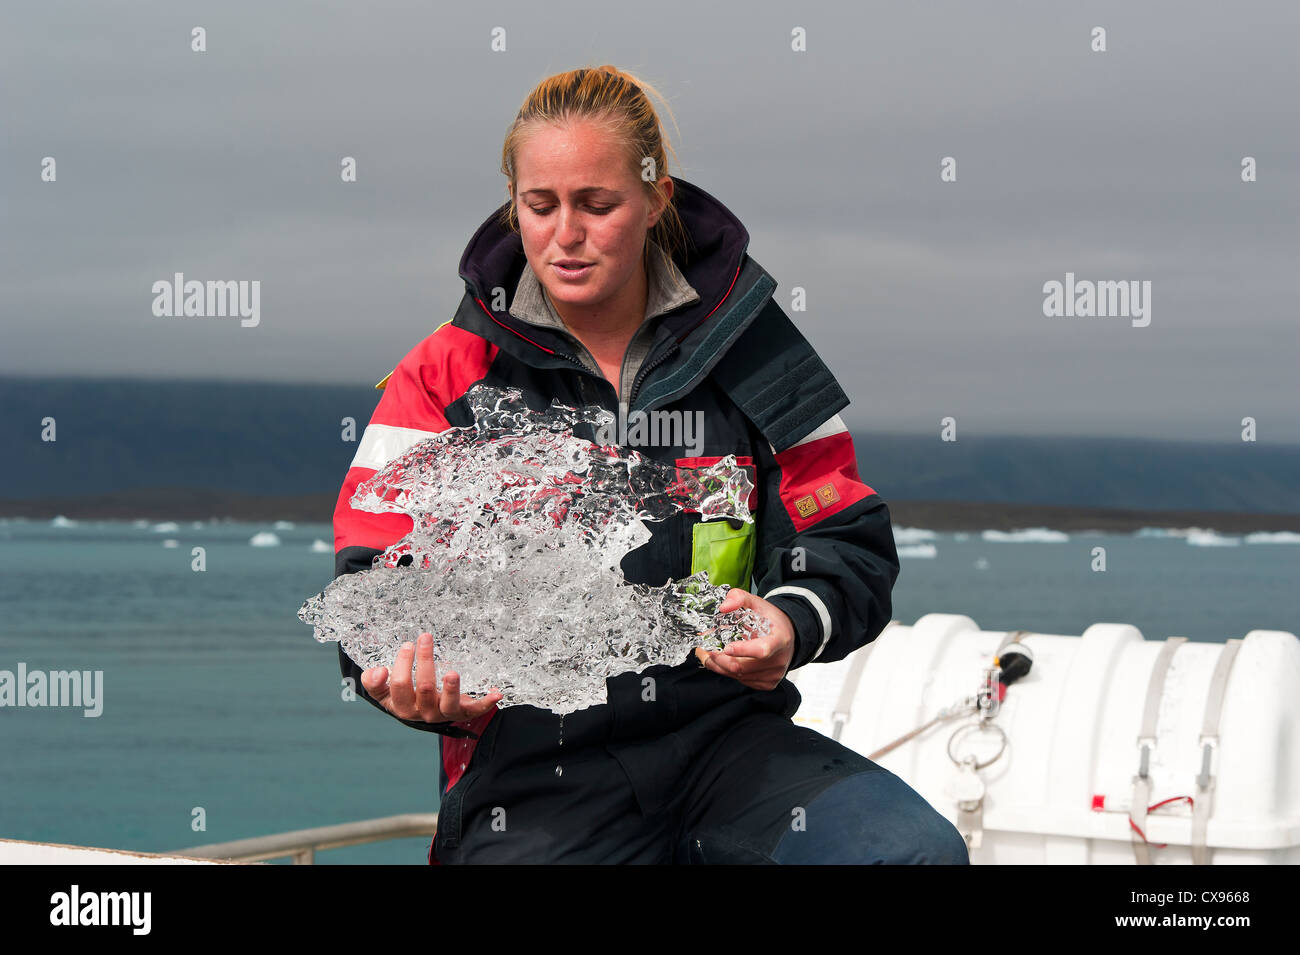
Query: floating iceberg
(1273, 537)
(513, 560)
(1030, 535)
(1210, 538)
(913, 535)
(918, 551)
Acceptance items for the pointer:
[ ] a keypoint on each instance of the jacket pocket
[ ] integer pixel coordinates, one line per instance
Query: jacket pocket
(450, 810)
(654, 768)
(451, 807)
(726, 550)
(743, 461)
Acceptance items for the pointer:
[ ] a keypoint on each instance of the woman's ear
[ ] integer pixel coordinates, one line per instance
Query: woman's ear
(661, 200)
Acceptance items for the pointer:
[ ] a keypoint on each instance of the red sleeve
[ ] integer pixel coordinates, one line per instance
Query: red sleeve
(413, 407)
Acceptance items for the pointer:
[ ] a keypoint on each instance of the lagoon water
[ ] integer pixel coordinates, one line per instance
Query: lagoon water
(215, 696)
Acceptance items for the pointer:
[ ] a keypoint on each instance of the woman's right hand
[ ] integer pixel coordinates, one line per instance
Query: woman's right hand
(420, 700)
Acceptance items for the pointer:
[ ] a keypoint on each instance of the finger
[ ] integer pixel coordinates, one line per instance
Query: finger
(467, 707)
(759, 675)
(400, 689)
(720, 664)
(426, 680)
(449, 704)
(756, 647)
(734, 600)
(472, 709)
(375, 682)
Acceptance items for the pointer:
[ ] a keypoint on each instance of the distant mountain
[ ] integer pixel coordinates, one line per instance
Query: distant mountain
(266, 439)
(252, 437)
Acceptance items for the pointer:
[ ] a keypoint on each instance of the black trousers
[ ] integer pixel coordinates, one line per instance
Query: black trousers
(766, 791)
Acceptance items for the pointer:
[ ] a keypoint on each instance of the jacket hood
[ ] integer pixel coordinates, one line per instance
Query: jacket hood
(715, 253)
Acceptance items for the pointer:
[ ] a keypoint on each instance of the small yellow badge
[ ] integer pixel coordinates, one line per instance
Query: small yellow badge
(828, 494)
(806, 506)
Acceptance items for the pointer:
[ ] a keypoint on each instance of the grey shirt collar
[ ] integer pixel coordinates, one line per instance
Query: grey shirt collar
(666, 289)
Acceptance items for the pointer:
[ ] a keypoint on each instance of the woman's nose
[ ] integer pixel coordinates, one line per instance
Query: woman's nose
(570, 227)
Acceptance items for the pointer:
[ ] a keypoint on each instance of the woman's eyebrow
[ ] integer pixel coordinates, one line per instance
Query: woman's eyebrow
(586, 190)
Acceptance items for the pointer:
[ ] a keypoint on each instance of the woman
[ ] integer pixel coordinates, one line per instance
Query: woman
(604, 281)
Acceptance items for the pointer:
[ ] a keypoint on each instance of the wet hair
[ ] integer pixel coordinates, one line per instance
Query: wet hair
(616, 101)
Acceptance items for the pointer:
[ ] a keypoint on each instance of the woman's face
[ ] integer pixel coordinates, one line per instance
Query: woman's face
(577, 200)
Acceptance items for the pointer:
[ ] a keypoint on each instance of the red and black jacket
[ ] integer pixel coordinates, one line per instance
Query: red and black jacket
(824, 550)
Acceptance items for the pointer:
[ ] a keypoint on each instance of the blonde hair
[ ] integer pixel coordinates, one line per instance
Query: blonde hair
(617, 101)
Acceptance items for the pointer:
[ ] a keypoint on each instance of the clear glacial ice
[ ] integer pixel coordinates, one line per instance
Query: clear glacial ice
(513, 562)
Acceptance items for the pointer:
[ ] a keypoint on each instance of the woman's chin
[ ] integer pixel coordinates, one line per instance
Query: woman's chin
(568, 295)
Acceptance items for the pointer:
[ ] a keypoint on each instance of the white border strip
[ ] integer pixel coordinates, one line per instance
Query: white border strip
(817, 605)
(833, 425)
(380, 443)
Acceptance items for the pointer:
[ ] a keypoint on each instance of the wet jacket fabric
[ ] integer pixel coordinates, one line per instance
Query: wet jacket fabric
(821, 547)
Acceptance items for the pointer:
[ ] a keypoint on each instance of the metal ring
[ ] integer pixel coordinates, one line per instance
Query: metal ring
(978, 727)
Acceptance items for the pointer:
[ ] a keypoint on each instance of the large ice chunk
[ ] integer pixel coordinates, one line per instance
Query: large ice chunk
(513, 560)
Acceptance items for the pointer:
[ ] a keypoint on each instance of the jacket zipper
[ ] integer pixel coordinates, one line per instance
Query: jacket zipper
(646, 369)
(640, 375)
(585, 370)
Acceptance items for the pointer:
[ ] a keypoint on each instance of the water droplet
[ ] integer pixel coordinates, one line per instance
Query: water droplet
(559, 770)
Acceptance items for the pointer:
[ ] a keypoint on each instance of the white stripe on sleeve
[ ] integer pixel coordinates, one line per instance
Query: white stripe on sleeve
(817, 605)
(380, 443)
(833, 425)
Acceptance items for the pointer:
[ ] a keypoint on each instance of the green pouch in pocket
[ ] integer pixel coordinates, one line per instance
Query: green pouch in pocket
(725, 549)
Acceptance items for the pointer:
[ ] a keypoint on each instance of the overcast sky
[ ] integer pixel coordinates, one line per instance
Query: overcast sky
(925, 297)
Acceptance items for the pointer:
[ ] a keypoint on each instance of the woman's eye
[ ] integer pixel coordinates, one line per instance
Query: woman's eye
(598, 210)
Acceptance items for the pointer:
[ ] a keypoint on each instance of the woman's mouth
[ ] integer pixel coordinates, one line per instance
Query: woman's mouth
(573, 270)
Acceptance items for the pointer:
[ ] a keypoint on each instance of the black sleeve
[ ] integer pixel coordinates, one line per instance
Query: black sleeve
(826, 554)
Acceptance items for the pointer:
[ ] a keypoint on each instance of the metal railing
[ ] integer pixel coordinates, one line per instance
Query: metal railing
(302, 844)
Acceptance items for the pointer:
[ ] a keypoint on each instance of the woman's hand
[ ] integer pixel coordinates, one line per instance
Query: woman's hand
(421, 700)
(759, 662)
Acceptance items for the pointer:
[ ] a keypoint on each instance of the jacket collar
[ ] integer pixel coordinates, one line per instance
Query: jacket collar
(494, 260)
(666, 290)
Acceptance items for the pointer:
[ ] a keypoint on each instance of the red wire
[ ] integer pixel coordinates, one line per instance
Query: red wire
(1163, 802)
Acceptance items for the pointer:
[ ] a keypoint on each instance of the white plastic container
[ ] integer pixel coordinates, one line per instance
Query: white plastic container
(1062, 790)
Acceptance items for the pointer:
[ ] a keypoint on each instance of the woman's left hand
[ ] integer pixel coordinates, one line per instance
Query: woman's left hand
(759, 662)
